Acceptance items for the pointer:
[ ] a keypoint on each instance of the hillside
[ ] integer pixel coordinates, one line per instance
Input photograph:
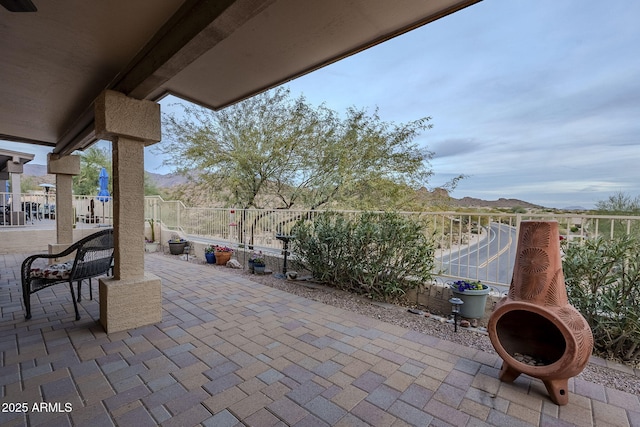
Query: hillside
(470, 202)
(194, 195)
(167, 180)
(35, 170)
(39, 173)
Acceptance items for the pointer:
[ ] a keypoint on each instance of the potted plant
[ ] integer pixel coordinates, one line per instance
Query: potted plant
(210, 254)
(176, 244)
(223, 254)
(150, 245)
(474, 296)
(252, 258)
(259, 265)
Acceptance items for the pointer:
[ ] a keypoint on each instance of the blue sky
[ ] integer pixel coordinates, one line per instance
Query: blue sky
(532, 99)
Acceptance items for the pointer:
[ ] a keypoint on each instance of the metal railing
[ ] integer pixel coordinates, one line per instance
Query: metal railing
(88, 209)
(479, 246)
(30, 207)
(33, 208)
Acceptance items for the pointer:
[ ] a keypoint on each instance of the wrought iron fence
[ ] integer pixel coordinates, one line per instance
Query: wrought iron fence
(33, 208)
(478, 246)
(89, 210)
(29, 208)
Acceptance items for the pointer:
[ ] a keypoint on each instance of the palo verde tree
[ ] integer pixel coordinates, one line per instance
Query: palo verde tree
(91, 162)
(619, 204)
(150, 187)
(27, 184)
(274, 151)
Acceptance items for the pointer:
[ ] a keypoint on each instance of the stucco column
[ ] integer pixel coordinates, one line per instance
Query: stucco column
(64, 168)
(17, 217)
(128, 207)
(3, 198)
(132, 298)
(16, 193)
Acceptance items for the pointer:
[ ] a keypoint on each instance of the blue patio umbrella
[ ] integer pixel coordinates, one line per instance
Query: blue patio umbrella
(103, 193)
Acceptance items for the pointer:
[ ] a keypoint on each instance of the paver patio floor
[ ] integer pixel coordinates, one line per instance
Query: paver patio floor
(230, 351)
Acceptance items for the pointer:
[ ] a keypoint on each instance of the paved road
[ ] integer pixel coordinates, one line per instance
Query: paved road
(490, 260)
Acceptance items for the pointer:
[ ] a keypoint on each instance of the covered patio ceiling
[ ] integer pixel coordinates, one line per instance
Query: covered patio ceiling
(58, 59)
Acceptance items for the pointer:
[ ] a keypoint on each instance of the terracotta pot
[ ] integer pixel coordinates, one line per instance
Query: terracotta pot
(222, 258)
(534, 329)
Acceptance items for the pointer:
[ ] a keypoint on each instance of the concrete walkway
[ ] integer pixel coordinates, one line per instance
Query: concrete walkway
(233, 352)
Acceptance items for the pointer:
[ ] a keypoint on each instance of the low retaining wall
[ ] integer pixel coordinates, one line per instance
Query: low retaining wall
(435, 298)
(25, 241)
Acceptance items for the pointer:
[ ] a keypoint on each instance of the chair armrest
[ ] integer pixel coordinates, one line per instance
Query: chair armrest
(26, 264)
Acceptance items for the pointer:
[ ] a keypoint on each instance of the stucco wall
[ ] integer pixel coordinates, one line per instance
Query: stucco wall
(25, 241)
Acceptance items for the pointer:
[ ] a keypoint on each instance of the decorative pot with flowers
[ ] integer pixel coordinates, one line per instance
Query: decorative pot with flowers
(259, 265)
(474, 296)
(150, 245)
(252, 258)
(223, 254)
(210, 254)
(176, 244)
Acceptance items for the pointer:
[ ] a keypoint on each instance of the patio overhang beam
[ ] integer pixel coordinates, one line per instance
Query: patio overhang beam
(190, 33)
(202, 33)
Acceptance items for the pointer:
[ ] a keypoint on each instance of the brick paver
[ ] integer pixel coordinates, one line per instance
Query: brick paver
(230, 351)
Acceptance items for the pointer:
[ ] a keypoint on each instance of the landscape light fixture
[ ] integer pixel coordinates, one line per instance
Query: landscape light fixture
(285, 251)
(455, 309)
(187, 249)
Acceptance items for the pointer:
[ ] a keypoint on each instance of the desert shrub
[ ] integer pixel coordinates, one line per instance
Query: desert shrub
(603, 283)
(380, 255)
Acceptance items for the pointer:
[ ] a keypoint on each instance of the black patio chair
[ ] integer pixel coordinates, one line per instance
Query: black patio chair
(93, 257)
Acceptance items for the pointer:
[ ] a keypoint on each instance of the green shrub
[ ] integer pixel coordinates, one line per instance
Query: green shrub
(380, 255)
(603, 283)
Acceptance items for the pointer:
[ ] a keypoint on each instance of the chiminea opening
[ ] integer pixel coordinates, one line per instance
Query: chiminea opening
(530, 336)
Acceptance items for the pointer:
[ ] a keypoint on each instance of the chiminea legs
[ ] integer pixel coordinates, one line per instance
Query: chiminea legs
(557, 388)
(508, 374)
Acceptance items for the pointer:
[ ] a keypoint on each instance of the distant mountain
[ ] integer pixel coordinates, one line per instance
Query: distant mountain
(172, 180)
(471, 202)
(35, 170)
(162, 181)
(167, 180)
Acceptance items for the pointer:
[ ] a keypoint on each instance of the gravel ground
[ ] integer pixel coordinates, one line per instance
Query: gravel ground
(399, 315)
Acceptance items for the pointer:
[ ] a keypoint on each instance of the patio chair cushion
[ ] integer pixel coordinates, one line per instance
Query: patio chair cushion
(93, 258)
(61, 271)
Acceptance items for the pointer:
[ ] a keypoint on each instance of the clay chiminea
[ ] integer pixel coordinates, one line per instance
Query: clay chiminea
(534, 329)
